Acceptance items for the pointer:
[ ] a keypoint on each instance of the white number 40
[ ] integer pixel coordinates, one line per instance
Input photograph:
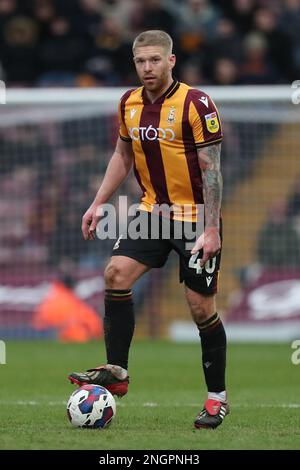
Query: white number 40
(194, 263)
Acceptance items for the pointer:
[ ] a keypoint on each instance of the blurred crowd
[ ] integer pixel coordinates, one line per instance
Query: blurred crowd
(49, 174)
(88, 42)
(51, 170)
(278, 242)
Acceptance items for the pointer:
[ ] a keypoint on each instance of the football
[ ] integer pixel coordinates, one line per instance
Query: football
(91, 406)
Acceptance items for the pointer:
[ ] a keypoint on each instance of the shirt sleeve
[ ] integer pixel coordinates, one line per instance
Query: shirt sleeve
(123, 132)
(205, 121)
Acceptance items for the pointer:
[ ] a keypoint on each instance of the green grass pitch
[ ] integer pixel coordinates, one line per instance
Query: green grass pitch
(166, 392)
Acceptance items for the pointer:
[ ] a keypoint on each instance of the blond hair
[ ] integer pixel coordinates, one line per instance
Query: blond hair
(154, 37)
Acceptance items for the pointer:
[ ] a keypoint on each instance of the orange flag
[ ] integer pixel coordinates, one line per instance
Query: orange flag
(73, 318)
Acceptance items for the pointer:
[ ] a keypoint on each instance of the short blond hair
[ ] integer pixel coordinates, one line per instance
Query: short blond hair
(154, 37)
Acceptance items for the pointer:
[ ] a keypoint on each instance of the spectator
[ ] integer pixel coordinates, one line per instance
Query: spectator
(226, 72)
(8, 9)
(191, 73)
(88, 18)
(155, 16)
(289, 22)
(196, 26)
(43, 11)
(227, 42)
(256, 68)
(241, 12)
(62, 54)
(108, 61)
(279, 43)
(19, 51)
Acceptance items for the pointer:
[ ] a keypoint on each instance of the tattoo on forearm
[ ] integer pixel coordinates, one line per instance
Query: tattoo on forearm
(209, 158)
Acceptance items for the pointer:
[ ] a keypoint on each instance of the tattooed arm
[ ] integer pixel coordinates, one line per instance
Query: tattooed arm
(209, 162)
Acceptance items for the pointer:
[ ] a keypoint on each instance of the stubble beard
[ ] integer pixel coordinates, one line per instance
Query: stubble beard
(158, 84)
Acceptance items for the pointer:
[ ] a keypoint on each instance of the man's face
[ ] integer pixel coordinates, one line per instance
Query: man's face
(153, 66)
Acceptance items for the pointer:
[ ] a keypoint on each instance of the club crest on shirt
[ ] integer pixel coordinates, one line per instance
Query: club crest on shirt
(212, 122)
(171, 116)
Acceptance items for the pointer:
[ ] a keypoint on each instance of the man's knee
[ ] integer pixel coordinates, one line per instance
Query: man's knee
(202, 306)
(115, 277)
(198, 307)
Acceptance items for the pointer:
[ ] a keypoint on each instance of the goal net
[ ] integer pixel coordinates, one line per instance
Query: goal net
(54, 149)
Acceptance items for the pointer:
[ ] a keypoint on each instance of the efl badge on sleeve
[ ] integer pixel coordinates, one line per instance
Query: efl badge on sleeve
(212, 122)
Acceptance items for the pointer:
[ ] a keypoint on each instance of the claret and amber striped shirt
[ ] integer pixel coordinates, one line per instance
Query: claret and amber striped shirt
(165, 136)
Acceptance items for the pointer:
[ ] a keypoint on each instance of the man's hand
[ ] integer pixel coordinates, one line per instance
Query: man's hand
(90, 221)
(210, 242)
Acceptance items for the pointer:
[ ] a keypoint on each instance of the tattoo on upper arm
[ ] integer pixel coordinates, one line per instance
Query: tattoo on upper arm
(209, 161)
(209, 157)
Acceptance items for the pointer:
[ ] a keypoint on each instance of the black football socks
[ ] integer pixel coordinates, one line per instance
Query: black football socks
(213, 341)
(118, 325)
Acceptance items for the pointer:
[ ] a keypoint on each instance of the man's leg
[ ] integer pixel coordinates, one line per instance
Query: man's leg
(213, 342)
(130, 259)
(120, 275)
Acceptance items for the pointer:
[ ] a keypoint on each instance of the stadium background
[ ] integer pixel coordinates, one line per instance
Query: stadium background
(54, 149)
(65, 64)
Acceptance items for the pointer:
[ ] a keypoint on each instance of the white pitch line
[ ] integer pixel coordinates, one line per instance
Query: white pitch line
(148, 404)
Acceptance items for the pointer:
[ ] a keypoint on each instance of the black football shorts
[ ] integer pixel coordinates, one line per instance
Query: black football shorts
(154, 252)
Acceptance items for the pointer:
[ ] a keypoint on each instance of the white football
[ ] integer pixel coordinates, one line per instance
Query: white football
(91, 406)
